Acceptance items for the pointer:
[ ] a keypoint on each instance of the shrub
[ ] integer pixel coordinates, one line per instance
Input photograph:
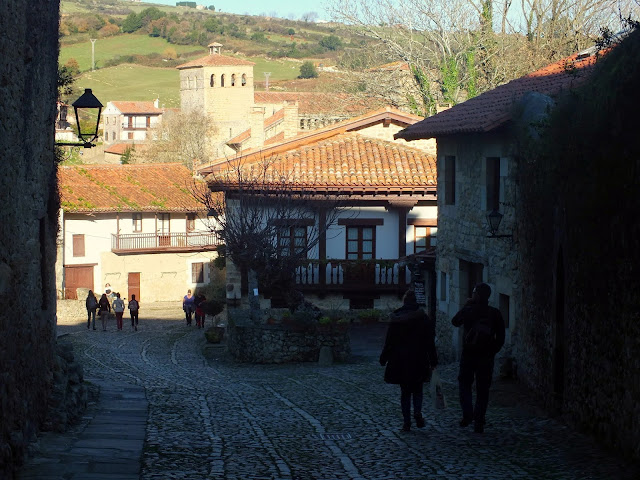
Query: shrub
(308, 70)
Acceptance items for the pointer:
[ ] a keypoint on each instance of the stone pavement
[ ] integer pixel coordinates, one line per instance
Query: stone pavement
(210, 418)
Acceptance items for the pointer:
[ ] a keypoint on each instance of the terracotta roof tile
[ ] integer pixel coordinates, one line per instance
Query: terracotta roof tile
(127, 188)
(214, 61)
(493, 108)
(317, 102)
(118, 148)
(242, 137)
(345, 162)
(273, 119)
(126, 107)
(275, 139)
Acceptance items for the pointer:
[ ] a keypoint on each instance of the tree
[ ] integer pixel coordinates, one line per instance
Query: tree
(181, 137)
(132, 23)
(253, 207)
(309, 17)
(331, 42)
(456, 48)
(308, 70)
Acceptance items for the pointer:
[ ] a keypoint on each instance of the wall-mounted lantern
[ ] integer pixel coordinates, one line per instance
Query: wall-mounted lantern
(493, 219)
(86, 102)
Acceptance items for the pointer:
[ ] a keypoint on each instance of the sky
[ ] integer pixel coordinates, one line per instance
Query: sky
(282, 8)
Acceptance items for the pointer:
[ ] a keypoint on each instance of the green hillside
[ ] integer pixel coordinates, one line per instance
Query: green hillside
(109, 48)
(133, 82)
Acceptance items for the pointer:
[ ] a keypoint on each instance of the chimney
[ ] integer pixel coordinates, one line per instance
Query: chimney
(256, 121)
(290, 122)
(156, 103)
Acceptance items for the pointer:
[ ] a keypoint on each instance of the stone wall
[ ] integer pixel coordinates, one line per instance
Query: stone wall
(28, 221)
(253, 343)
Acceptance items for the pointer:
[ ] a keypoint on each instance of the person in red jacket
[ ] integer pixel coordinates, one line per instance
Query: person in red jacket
(410, 356)
(483, 338)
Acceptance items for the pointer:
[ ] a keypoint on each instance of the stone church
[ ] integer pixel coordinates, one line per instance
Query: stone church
(222, 87)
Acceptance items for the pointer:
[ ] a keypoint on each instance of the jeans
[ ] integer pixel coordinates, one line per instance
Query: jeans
(91, 313)
(407, 391)
(480, 369)
(134, 316)
(119, 319)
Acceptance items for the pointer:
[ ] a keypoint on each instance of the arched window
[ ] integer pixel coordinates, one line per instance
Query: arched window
(222, 80)
(212, 80)
(244, 79)
(233, 80)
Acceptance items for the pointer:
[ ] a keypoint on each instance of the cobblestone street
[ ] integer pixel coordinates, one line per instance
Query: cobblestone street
(210, 418)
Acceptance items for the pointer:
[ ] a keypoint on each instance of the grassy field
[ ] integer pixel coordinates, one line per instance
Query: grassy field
(125, 44)
(133, 82)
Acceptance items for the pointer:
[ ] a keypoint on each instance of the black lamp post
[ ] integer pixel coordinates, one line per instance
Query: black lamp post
(87, 101)
(493, 219)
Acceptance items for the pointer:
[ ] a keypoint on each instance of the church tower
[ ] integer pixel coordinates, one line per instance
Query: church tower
(221, 87)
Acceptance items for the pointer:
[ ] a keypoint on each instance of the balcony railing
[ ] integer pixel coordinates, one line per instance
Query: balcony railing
(166, 242)
(352, 274)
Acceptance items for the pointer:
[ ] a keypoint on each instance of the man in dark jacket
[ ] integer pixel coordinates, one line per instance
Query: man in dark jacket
(410, 356)
(483, 338)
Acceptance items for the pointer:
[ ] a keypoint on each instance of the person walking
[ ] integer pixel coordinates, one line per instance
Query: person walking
(105, 309)
(199, 301)
(410, 356)
(134, 307)
(118, 308)
(92, 304)
(188, 305)
(483, 337)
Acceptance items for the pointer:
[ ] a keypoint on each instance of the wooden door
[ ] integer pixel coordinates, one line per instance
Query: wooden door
(133, 285)
(77, 276)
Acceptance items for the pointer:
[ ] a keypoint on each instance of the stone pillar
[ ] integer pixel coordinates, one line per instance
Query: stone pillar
(290, 119)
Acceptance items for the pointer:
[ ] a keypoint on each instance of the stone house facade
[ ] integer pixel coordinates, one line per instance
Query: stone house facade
(135, 227)
(477, 175)
(28, 223)
(130, 122)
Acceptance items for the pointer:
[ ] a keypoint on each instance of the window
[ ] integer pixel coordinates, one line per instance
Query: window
(493, 183)
(361, 242)
(163, 223)
(212, 81)
(130, 122)
(292, 240)
(244, 79)
(503, 306)
(191, 222)
(78, 245)
(233, 80)
(106, 136)
(197, 272)
(424, 237)
(222, 80)
(137, 222)
(443, 286)
(449, 180)
(148, 122)
(130, 135)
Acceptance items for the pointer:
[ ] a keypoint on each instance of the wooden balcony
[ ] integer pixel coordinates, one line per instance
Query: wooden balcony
(345, 276)
(164, 243)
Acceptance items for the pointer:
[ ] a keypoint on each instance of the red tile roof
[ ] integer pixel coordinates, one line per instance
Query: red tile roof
(275, 139)
(318, 102)
(136, 107)
(214, 61)
(390, 67)
(493, 108)
(273, 119)
(383, 115)
(119, 148)
(127, 188)
(242, 137)
(344, 163)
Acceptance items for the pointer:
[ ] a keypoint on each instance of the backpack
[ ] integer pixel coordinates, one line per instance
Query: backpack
(480, 335)
(91, 302)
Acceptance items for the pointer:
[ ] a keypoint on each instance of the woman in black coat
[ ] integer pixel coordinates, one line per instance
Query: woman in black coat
(410, 356)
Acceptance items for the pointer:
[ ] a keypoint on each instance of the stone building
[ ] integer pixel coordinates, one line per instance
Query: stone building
(28, 222)
(561, 263)
(130, 122)
(222, 87)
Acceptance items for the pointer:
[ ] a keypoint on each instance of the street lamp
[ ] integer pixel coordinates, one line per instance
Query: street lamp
(493, 219)
(86, 102)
